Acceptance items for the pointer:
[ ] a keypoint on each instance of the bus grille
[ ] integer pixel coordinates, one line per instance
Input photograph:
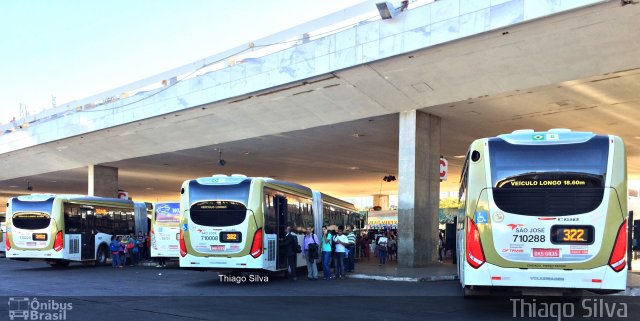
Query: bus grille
(271, 256)
(548, 201)
(74, 246)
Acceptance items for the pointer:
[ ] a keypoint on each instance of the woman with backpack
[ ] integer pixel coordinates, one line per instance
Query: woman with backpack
(114, 248)
(132, 247)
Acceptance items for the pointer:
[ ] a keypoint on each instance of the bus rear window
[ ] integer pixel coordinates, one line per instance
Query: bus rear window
(549, 180)
(218, 213)
(30, 221)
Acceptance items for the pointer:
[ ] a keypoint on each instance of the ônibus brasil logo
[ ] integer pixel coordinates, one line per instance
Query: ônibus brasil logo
(22, 308)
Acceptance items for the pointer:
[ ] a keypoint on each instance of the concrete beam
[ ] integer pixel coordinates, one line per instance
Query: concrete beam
(382, 201)
(418, 188)
(103, 181)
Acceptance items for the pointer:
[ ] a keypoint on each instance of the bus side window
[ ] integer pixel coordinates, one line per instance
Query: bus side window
(270, 213)
(72, 220)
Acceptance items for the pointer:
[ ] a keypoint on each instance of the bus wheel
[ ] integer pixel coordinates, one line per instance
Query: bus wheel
(101, 256)
(470, 293)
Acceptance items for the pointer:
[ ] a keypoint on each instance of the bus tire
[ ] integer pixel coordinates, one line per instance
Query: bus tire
(101, 256)
(469, 293)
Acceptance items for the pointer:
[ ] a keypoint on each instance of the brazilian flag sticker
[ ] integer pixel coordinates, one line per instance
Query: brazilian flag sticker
(538, 137)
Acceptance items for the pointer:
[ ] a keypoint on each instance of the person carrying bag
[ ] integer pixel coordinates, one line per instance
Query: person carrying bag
(311, 250)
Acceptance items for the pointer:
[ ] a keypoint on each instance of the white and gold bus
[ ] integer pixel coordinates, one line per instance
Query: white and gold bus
(165, 230)
(235, 223)
(544, 212)
(60, 229)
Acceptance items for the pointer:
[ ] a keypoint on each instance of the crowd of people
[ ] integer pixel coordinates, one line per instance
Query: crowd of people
(132, 249)
(337, 249)
(380, 243)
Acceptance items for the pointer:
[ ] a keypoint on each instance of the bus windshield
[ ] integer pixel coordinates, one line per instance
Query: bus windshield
(549, 180)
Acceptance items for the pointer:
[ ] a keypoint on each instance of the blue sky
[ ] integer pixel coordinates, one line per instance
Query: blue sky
(72, 49)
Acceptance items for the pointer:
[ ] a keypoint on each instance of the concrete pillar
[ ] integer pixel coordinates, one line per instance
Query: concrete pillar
(382, 201)
(103, 181)
(418, 188)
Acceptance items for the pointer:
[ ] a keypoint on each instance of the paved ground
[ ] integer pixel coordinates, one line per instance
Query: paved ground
(149, 293)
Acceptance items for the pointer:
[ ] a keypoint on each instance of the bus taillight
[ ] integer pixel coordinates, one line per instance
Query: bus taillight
(183, 246)
(474, 253)
(618, 259)
(58, 243)
(7, 243)
(256, 246)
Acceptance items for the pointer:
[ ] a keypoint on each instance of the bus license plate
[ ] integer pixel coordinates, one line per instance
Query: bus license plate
(39, 236)
(545, 252)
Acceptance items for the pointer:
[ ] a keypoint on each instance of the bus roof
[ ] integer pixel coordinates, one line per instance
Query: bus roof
(76, 198)
(550, 137)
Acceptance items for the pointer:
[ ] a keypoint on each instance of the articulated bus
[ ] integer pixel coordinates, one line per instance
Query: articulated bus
(545, 212)
(165, 230)
(60, 229)
(235, 223)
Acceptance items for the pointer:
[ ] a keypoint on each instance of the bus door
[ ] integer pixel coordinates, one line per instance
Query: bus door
(280, 203)
(87, 234)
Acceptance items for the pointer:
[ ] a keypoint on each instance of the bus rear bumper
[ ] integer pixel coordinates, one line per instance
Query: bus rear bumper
(601, 278)
(221, 263)
(34, 255)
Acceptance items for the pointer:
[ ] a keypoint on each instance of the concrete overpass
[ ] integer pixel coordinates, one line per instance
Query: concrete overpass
(325, 113)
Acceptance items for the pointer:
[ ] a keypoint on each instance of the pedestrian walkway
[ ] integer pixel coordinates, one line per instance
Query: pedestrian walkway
(368, 268)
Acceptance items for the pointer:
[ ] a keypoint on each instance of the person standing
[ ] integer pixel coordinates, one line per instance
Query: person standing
(132, 246)
(440, 246)
(289, 245)
(114, 248)
(326, 252)
(147, 241)
(341, 242)
(365, 245)
(141, 247)
(392, 247)
(123, 251)
(351, 248)
(382, 249)
(310, 251)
